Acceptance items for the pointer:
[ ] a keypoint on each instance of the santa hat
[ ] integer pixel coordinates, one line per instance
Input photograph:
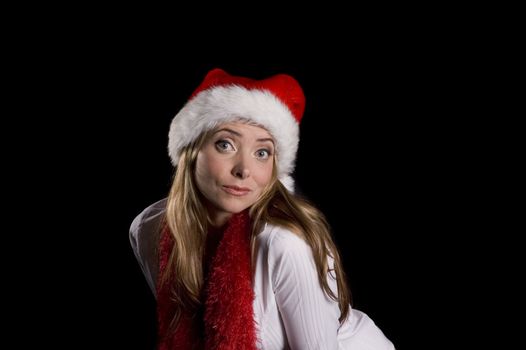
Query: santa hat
(276, 103)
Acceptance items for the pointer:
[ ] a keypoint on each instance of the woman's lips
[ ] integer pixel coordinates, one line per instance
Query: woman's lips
(236, 190)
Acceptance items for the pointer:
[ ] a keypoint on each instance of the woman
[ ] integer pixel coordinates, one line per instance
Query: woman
(235, 259)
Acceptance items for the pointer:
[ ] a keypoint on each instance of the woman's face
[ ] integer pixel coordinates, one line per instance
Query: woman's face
(233, 167)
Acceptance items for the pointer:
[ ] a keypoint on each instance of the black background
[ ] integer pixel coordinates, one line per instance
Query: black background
(402, 147)
(363, 159)
(374, 138)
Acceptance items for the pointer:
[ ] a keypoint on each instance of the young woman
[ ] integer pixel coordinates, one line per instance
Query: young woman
(235, 259)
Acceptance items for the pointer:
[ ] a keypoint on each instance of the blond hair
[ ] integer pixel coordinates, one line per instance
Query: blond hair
(188, 221)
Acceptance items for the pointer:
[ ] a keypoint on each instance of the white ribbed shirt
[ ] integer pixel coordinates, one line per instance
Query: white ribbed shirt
(290, 308)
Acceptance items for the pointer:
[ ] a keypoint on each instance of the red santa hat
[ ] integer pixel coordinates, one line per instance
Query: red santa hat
(277, 103)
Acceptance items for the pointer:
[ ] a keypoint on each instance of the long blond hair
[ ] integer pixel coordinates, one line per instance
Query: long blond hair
(187, 218)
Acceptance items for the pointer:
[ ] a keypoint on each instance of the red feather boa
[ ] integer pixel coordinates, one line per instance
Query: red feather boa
(228, 296)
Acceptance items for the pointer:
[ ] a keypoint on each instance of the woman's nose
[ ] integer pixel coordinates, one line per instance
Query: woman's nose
(240, 169)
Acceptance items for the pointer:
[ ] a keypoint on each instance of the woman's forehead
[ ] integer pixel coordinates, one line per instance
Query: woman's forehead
(243, 127)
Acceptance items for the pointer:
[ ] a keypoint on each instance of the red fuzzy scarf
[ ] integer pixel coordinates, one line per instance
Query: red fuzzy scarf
(228, 315)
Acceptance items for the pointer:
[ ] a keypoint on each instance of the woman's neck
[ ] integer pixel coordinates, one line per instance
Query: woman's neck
(218, 219)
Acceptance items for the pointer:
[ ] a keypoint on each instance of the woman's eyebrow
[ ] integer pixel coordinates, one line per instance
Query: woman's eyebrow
(230, 131)
(241, 135)
(266, 139)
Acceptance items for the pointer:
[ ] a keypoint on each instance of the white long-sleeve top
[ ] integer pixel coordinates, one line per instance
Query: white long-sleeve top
(290, 308)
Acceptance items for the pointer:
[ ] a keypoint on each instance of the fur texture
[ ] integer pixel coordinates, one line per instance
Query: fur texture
(229, 317)
(228, 297)
(220, 104)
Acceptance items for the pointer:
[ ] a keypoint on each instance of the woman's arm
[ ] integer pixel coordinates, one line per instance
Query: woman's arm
(310, 317)
(144, 239)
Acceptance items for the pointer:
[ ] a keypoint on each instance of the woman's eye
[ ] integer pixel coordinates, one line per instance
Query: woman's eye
(262, 154)
(223, 145)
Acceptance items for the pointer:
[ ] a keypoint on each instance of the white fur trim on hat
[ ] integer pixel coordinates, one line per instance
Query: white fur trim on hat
(221, 104)
(288, 182)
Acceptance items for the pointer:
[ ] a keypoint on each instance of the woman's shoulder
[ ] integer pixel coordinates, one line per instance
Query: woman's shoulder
(151, 213)
(144, 237)
(148, 221)
(152, 210)
(278, 241)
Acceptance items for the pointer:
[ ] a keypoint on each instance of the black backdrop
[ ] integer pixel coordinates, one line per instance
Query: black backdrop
(367, 157)
(358, 161)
